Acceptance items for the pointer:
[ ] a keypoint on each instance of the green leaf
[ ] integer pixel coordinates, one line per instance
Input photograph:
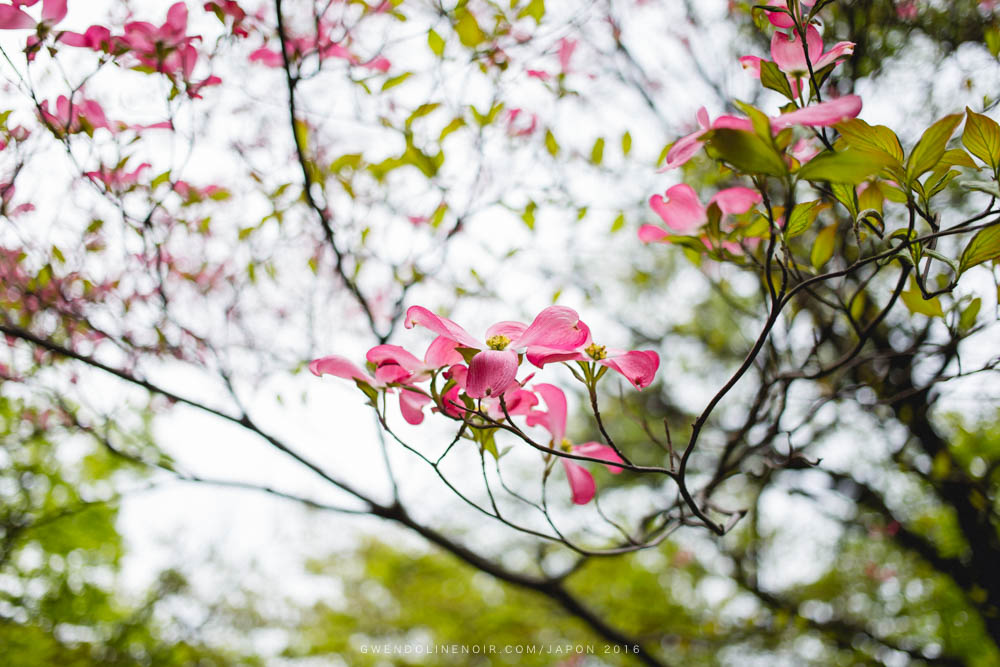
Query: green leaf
(773, 78)
(160, 180)
(982, 138)
(467, 353)
(802, 218)
(455, 124)
(469, 32)
(551, 145)
(847, 196)
(619, 223)
(823, 246)
(745, 151)
(758, 120)
(967, 320)
(535, 9)
(930, 149)
(626, 143)
(436, 43)
(394, 81)
(983, 247)
(850, 166)
(302, 135)
(421, 111)
(878, 138)
(956, 157)
(529, 214)
(368, 390)
(597, 152)
(916, 303)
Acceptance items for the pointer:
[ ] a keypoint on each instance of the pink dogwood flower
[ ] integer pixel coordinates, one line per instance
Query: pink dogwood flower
(684, 213)
(581, 482)
(516, 399)
(788, 54)
(824, 114)
(73, 117)
(494, 367)
(637, 366)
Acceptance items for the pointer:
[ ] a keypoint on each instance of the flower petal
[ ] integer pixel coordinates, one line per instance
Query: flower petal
(839, 50)
(382, 355)
(823, 114)
(581, 483)
(53, 11)
(491, 373)
(596, 450)
(556, 327)
(736, 200)
(14, 19)
(340, 367)
(652, 233)
(441, 352)
(681, 211)
(554, 418)
(411, 405)
(638, 366)
(512, 330)
(442, 326)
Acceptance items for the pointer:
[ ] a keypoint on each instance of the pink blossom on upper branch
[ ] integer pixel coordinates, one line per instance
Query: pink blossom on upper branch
(229, 9)
(553, 420)
(494, 368)
(788, 54)
(72, 117)
(824, 114)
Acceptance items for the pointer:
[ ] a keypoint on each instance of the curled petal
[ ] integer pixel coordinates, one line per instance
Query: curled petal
(267, 57)
(382, 355)
(683, 150)
(520, 401)
(581, 483)
(681, 210)
(539, 356)
(824, 114)
(752, 65)
(596, 450)
(411, 405)
(554, 418)
(491, 373)
(556, 327)
(441, 352)
(442, 326)
(839, 50)
(736, 200)
(340, 367)
(638, 366)
(391, 373)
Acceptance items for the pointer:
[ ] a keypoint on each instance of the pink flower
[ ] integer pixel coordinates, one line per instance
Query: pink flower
(231, 9)
(96, 37)
(566, 48)
(684, 213)
(637, 366)
(394, 367)
(788, 54)
(73, 117)
(581, 483)
(118, 178)
(685, 147)
(494, 368)
(517, 129)
(823, 114)
(379, 64)
(518, 401)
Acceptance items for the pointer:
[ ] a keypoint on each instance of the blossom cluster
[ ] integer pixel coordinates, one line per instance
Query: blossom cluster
(798, 54)
(465, 377)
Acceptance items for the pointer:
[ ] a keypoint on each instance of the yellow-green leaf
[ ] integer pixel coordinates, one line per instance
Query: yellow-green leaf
(746, 151)
(823, 246)
(597, 152)
(850, 166)
(930, 149)
(916, 303)
(982, 138)
(436, 43)
(983, 247)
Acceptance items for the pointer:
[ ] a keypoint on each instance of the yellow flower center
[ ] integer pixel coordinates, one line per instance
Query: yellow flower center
(595, 351)
(566, 445)
(497, 342)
